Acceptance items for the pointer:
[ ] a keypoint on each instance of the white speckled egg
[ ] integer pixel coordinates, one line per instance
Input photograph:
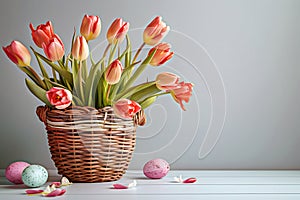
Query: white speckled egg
(13, 172)
(34, 176)
(156, 168)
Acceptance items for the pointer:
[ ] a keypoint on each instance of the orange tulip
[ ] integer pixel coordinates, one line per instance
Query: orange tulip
(54, 50)
(182, 93)
(162, 54)
(42, 34)
(18, 53)
(90, 27)
(126, 108)
(114, 72)
(117, 31)
(80, 49)
(166, 81)
(155, 31)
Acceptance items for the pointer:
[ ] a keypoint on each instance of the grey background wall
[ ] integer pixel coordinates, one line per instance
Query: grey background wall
(242, 56)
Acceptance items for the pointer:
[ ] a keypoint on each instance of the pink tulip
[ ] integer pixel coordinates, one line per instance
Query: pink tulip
(161, 55)
(80, 49)
(42, 34)
(90, 27)
(114, 72)
(54, 50)
(167, 81)
(18, 53)
(126, 108)
(117, 31)
(60, 98)
(183, 92)
(155, 31)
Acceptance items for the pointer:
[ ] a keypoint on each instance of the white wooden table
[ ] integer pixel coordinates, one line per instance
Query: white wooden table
(211, 185)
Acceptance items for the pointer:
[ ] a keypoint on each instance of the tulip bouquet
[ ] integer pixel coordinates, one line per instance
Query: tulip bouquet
(107, 82)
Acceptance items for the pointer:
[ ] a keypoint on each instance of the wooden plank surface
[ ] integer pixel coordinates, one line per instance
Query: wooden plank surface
(232, 185)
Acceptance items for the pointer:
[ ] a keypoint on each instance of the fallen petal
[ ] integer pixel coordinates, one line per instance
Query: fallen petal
(119, 186)
(178, 179)
(34, 191)
(133, 184)
(57, 192)
(190, 180)
(56, 184)
(65, 182)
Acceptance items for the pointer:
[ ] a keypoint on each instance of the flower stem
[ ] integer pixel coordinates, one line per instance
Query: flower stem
(106, 50)
(138, 52)
(107, 94)
(41, 83)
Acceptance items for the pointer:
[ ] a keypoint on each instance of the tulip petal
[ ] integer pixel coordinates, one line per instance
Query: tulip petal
(65, 182)
(190, 180)
(57, 192)
(119, 186)
(30, 192)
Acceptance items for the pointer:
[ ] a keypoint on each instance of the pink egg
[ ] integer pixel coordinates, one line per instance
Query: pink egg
(156, 168)
(13, 172)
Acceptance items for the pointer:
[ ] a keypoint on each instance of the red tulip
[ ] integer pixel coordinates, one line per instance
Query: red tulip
(161, 55)
(126, 108)
(155, 31)
(90, 27)
(60, 98)
(43, 33)
(54, 50)
(183, 92)
(167, 81)
(117, 31)
(18, 53)
(114, 72)
(80, 49)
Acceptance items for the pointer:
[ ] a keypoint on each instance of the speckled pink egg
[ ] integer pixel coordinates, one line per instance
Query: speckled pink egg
(13, 172)
(156, 168)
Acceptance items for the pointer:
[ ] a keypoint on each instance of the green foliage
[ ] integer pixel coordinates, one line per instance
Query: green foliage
(87, 83)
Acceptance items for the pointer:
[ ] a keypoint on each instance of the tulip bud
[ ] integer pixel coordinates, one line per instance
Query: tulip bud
(90, 27)
(54, 50)
(166, 81)
(60, 98)
(182, 93)
(80, 49)
(161, 55)
(117, 31)
(114, 72)
(155, 31)
(126, 108)
(43, 33)
(18, 53)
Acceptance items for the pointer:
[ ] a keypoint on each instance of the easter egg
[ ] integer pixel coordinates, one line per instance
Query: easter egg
(156, 168)
(13, 172)
(34, 176)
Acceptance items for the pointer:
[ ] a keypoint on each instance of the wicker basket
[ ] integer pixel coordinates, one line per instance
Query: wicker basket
(89, 145)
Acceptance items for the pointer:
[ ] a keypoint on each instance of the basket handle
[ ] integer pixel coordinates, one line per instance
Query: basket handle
(41, 112)
(140, 118)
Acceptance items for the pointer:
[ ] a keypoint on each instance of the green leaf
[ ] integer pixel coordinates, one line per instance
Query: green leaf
(143, 94)
(134, 89)
(37, 91)
(139, 70)
(147, 102)
(43, 70)
(56, 84)
(124, 77)
(63, 72)
(92, 82)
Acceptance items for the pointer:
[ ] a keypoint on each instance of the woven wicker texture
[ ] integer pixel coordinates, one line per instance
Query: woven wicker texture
(89, 145)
